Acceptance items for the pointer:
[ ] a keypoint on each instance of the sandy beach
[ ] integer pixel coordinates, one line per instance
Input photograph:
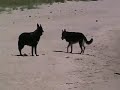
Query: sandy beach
(54, 69)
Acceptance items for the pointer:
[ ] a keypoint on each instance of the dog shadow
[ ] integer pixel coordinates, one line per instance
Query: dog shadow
(59, 51)
(64, 52)
(24, 55)
(76, 53)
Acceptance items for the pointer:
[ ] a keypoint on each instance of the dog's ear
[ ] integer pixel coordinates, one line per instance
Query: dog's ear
(37, 25)
(40, 25)
(64, 30)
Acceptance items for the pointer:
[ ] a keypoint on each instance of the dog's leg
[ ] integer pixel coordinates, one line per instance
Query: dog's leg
(80, 44)
(36, 50)
(83, 46)
(68, 47)
(71, 48)
(20, 47)
(32, 50)
(20, 52)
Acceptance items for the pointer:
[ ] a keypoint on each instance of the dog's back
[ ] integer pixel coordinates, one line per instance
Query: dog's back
(31, 38)
(73, 37)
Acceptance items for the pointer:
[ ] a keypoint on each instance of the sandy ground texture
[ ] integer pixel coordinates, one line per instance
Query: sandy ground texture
(54, 69)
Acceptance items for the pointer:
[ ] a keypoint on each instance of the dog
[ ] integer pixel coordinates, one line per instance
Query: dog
(30, 39)
(75, 37)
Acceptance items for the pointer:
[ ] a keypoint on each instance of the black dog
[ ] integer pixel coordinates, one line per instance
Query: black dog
(75, 37)
(30, 39)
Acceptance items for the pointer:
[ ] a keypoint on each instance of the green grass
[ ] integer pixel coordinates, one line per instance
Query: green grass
(29, 4)
(12, 3)
(1, 9)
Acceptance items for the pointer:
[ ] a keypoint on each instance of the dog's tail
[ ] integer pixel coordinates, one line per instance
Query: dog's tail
(88, 42)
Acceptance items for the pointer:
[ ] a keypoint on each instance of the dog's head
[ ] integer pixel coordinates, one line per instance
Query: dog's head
(40, 29)
(63, 34)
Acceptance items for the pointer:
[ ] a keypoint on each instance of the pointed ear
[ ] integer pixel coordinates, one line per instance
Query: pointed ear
(62, 31)
(40, 25)
(65, 30)
(37, 25)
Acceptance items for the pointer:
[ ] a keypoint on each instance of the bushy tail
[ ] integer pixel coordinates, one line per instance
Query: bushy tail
(88, 42)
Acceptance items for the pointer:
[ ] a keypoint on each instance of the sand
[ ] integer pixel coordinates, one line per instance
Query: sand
(54, 69)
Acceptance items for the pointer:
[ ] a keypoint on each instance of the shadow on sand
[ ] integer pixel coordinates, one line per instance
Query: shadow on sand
(64, 52)
(73, 53)
(59, 51)
(24, 55)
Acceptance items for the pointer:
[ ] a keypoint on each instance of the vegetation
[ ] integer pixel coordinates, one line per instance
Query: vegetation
(12, 3)
(29, 4)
